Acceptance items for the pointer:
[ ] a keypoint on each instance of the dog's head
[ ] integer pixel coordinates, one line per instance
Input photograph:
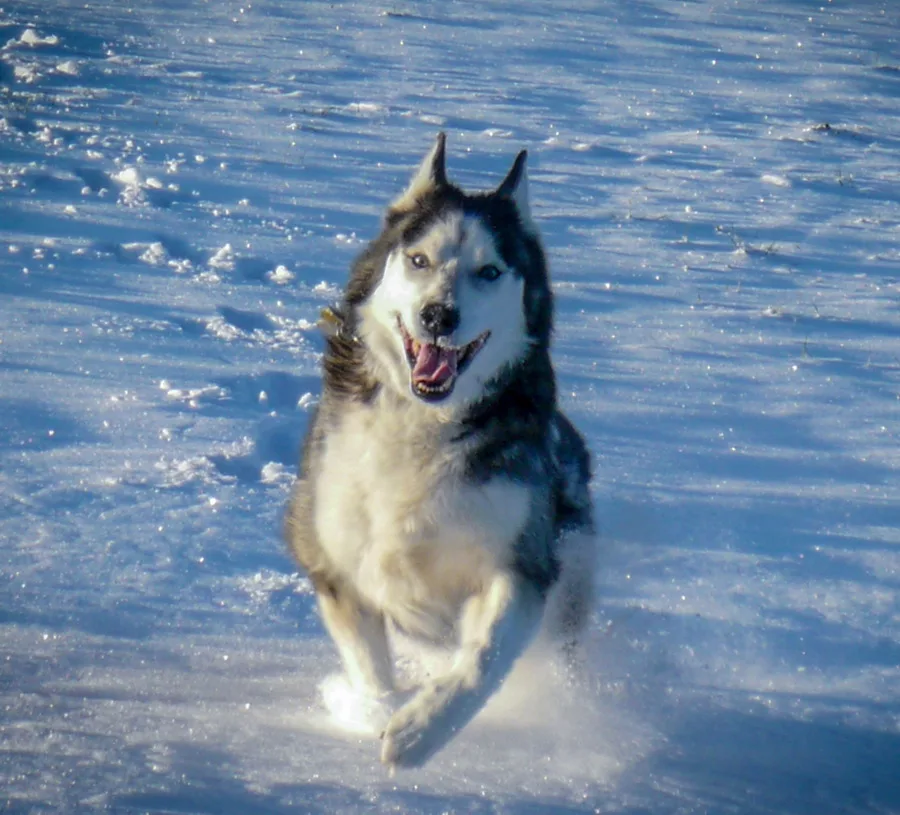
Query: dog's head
(454, 291)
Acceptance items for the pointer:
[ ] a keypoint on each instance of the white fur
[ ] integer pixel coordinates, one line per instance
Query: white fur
(408, 536)
(362, 641)
(396, 516)
(498, 624)
(429, 551)
(458, 246)
(418, 542)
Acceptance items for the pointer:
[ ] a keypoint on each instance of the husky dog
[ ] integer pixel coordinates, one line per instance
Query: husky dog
(441, 489)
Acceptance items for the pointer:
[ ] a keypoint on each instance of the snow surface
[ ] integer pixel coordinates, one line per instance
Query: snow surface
(182, 188)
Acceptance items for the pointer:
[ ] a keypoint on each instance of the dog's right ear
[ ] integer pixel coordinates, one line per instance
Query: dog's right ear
(430, 175)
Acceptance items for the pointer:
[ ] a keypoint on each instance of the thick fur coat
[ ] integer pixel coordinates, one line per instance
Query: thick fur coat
(440, 486)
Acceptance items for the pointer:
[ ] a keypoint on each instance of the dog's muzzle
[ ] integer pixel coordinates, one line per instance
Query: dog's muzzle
(435, 368)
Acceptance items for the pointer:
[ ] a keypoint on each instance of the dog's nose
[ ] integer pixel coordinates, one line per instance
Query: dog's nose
(439, 319)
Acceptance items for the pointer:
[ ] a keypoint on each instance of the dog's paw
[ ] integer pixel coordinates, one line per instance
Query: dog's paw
(421, 727)
(356, 710)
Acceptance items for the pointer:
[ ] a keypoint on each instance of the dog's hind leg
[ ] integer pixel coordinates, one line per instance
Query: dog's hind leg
(360, 636)
(572, 599)
(496, 628)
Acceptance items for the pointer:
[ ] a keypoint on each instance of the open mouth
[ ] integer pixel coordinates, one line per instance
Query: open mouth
(434, 369)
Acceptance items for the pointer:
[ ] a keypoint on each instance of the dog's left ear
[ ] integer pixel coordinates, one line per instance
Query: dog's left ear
(515, 187)
(431, 174)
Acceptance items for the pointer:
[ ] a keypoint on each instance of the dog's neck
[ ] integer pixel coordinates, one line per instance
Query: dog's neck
(525, 392)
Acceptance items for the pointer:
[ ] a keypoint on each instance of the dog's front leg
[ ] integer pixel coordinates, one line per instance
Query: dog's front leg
(496, 628)
(361, 639)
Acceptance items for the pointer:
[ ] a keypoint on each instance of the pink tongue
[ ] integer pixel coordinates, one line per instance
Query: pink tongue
(435, 365)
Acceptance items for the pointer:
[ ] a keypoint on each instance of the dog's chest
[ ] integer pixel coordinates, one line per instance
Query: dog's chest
(397, 516)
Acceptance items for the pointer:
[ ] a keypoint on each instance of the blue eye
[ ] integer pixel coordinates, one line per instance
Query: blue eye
(419, 260)
(489, 273)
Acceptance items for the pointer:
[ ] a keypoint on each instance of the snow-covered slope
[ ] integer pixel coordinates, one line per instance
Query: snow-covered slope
(183, 186)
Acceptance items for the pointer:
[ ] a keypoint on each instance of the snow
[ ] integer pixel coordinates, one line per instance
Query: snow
(182, 189)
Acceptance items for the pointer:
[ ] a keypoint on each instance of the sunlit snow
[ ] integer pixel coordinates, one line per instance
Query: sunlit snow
(183, 188)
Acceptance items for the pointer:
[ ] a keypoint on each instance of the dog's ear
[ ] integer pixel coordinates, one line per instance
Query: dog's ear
(515, 187)
(430, 175)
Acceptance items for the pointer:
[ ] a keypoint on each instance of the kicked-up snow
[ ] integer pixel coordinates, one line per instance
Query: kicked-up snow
(183, 187)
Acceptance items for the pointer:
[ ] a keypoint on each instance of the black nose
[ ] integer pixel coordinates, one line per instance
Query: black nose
(439, 319)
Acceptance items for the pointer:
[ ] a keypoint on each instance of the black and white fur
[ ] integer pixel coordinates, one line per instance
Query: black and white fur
(441, 490)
